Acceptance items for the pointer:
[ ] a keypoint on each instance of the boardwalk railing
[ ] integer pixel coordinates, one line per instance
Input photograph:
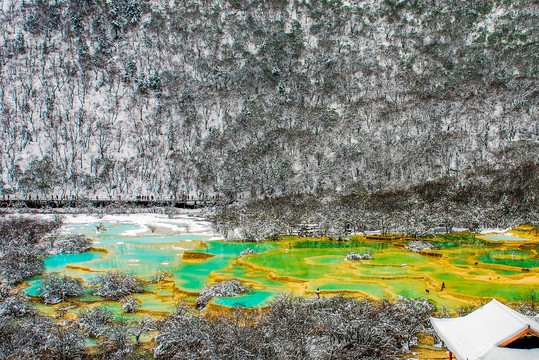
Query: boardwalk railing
(184, 203)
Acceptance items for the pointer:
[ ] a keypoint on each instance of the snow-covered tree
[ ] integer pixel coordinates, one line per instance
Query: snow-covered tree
(160, 275)
(291, 327)
(21, 253)
(65, 342)
(55, 289)
(223, 288)
(115, 285)
(95, 321)
(129, 304)
(69, 244)
(116, 341)
(16, 306)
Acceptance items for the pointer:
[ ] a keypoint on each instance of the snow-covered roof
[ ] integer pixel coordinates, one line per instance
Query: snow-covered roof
(480, 334)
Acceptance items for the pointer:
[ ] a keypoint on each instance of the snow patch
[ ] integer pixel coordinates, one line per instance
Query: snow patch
(495, 231)
(135, 232)
(187, 221)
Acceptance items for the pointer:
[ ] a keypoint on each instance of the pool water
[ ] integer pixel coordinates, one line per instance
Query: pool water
(469, 272)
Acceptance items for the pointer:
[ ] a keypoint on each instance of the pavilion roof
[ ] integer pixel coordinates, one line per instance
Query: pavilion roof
(482, 334)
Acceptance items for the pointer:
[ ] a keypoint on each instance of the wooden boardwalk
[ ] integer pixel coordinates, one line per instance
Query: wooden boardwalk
(100, 203)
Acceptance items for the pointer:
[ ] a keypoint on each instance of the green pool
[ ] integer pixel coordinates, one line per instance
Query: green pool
(469, 272)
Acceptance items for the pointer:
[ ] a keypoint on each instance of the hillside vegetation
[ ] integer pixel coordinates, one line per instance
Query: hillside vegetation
(272, 99)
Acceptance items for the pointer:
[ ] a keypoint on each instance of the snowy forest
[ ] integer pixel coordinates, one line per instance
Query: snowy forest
(309, 111)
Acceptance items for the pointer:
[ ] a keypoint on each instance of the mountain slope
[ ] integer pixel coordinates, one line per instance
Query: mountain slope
(266, 98)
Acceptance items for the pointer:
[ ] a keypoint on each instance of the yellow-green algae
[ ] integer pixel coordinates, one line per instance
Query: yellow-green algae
(471, 268)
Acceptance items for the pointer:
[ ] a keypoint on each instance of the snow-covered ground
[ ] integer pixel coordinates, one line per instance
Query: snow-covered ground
(494, 231)
(504, 235)
(187, 221)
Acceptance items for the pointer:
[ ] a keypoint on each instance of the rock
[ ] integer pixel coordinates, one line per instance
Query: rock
(248, 252)
(418, 246)
(356, 256)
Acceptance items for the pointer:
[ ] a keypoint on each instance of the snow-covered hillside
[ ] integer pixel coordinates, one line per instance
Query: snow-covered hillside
(265, 98)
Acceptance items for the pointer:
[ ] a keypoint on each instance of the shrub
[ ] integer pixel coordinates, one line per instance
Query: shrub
(16, 306)
(70, 244)
(129, 304)
(298, 328)
(55, 289)
(115, 285)
(224, 288)
(95, 321)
